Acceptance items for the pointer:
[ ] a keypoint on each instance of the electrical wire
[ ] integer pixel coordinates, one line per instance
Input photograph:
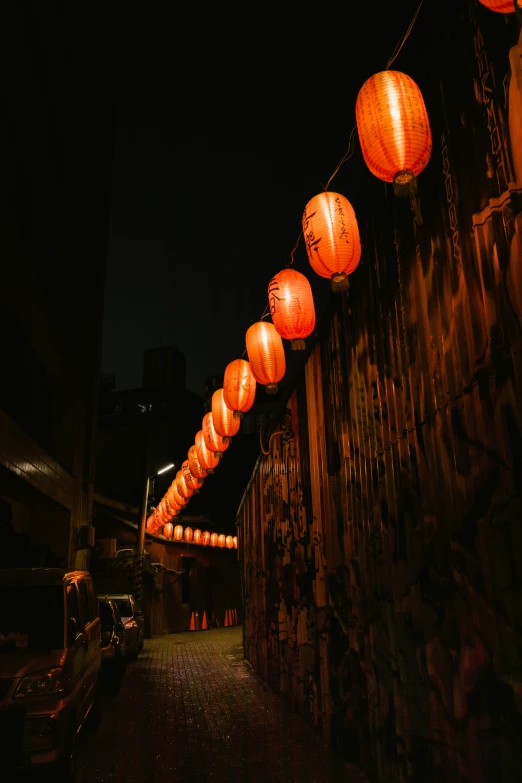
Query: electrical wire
(404, 38)
(347, 155)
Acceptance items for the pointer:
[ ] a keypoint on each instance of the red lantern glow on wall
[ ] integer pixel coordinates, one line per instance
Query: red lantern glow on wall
(221, 540)
(178, 533)
(266, 354)
(188, 535)
(291, 304)
(224, 422)
(205, 538)
(332, 238)
(502, 6)
(168, 530)
(215, 443)
(214, 539)
(197, 536)
(196, 468)
(229, 542)
(394, 129)
(239, 387)
(207, 458)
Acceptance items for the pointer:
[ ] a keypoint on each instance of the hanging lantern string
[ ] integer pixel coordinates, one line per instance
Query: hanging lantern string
(292, 254)
(347, 155)
(405, 37)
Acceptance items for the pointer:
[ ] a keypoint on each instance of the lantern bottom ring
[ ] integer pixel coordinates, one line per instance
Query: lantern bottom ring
(404, 183)
(238, 414)
(272, 388)
(298, 344)
(339, 282)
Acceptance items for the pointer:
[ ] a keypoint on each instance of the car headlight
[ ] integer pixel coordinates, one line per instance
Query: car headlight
(40, 684)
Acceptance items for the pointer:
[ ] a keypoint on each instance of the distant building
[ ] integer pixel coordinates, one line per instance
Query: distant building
(58, 88)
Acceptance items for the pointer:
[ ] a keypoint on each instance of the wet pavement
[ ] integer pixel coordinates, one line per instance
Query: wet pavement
(191, 710)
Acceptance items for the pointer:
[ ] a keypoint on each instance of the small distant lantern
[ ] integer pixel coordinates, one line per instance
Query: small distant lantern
(214, 442)
(502, 6)
(191, 481)
(291, 304)
(205, 538)
(168, 530)
(223, 418)
(178, 533)
(181, 486)
(394, 129)
(150, 524)
(235, 542)
(197, 536)
(214, 539)
(332, 239)
(239, 387)
(196, 468)
(229, 542)
(188, 535)
(266, 355)
(207, 458)
(221, 540)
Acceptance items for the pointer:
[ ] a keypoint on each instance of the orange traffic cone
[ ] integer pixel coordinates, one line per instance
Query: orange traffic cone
(231, 617)
(204, 626)
(236, 622)
(192, 623)
(227, 621)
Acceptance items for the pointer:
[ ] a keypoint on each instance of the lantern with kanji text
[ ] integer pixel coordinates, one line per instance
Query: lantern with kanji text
(291, 304)
(239, 387)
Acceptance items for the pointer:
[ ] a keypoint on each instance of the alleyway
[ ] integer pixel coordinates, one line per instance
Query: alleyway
(191, 710)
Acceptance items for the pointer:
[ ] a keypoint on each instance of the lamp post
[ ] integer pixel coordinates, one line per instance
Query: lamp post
(140, 542)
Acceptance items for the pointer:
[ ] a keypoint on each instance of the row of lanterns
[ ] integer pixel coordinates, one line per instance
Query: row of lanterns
(396, 142)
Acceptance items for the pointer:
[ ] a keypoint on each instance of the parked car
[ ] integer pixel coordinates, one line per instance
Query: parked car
(50, 659)
(113, 645)
(132, 618)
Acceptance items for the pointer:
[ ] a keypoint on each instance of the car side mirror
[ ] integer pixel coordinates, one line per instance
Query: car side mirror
(72, 630)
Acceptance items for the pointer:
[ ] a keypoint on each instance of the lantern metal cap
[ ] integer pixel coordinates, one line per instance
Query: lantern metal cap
(238, 414)
(404, 183)
(340, 282)
(298, 344)
(272, 388)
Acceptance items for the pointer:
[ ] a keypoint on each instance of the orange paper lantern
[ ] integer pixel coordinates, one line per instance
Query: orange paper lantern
(235, 542)
(332, 238)
(205, 538)
(150, 524)
(177, 498)
(221, 540)
(196, 468)
(239, 387)
(213, 539)
(502, 6)
(394, 129)
(197, 536)
(229, 542)
(292, 308)
(214, 442)
(178, 533)
(188, 535)
(168, 530)
(191, 481)
(266, 354)
(224, 422)
(207, 458)
(181, 486)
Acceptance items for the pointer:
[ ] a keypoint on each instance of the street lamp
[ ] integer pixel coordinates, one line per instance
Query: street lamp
(141, 532)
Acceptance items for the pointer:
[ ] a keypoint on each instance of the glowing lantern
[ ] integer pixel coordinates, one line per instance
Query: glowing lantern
(188, 535)
(205, 538)
(178, 533)
(332, 238)
(214, 442)
(394, 129)
(221, 540)
(177, 498)
(207, 458)
(213, 539)
(191, 481)
(502, 6)
(239, 387)
(235, 542)
(292, 308)
(229, 542)
(151, 523)
(197, 536)
(181, 486)
(168, 530)
(266, 354)
(224, 422)
(196, 468)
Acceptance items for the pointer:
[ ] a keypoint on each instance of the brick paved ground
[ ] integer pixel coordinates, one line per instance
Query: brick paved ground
(191, 710)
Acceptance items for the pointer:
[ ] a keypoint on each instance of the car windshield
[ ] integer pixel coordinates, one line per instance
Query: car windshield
(124, 607)
(31, 618)
(106, 618)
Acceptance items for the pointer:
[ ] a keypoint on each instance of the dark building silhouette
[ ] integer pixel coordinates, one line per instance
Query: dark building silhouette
(57, 86)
